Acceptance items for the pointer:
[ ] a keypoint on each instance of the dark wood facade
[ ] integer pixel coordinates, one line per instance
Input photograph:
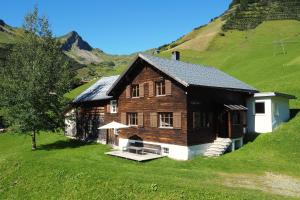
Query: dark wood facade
(212, 100)
(185, 103)
(174, 101)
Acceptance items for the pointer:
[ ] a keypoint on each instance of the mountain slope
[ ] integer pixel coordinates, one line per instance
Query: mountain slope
(78, 49)
(88, 62)
(266, 56)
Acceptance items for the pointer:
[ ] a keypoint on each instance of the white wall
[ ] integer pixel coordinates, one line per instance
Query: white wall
(176, 152)
(276, 112)
(70, 123)
(280, 111)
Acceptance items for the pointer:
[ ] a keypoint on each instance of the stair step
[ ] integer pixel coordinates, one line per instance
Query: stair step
(222, 142)
(223, 139)
(214, 152)
(218, 147)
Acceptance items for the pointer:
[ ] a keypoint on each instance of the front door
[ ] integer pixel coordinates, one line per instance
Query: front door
(112, 138)
(223, 125)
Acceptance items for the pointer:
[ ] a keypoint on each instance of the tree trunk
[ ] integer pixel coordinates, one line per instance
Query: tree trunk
(33, 141)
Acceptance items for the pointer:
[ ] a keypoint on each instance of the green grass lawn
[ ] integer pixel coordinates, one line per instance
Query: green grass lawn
(66, 169)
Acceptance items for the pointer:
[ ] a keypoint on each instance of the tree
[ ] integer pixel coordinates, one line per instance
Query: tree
(35, 78)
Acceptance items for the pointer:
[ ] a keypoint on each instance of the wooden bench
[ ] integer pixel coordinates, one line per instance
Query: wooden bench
(151, 148)
(143, 147)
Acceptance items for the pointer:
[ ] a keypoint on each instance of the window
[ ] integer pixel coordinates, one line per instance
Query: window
(135, 92)
(259, 107)
(160, 88)
(202, 120)
(166, 120)
(132, 119)
(113, 106)
(166, 150)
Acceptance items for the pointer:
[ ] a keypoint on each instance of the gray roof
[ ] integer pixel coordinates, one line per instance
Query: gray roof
(198, 75)
(97, 91)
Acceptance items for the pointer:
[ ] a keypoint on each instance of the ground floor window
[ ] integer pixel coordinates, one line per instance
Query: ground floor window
(132, 119)
(166, 120)
(202, 120)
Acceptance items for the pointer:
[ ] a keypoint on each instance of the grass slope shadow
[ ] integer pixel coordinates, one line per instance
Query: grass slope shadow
(64, 144)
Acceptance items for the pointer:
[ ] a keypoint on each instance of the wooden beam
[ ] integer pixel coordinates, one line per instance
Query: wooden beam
(229, 125)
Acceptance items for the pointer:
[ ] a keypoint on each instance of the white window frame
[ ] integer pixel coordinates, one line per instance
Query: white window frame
(160, 86)
(136, 88)
(254, 107)
(162, 124)
(130, 119)
(113, 106)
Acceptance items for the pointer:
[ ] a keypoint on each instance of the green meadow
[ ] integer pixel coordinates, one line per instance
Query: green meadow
(66, 169)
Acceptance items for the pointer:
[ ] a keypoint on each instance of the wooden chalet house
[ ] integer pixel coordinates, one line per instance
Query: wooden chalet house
(184, 108)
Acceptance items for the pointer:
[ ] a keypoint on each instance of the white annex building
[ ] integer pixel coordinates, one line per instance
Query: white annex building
(267, 110)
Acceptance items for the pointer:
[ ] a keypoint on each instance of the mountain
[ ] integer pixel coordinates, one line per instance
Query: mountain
(72, 39)
(78, 49)
(266, 55)
(88, 62)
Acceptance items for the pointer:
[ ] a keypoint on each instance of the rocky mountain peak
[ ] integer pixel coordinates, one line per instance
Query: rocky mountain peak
(74, 39)
(2, 23)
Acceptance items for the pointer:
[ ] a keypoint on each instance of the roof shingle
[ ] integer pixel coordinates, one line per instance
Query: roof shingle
(198, 75)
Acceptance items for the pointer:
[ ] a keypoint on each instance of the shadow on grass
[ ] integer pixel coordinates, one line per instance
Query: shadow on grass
(250, 137)
(293, 113)
(64, 144)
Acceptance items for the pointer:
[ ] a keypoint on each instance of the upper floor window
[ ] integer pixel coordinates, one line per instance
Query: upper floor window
(166, 120)
(259, 107)
(132, 119)
(160, 88)
(113, 106)
(135, 91)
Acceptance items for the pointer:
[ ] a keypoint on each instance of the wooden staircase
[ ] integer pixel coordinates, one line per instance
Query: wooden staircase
(218, 147)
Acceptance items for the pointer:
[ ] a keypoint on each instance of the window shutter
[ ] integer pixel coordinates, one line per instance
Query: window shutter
(123, 118)
(108, 108)
(141, 88)
(177, 120)
(128, 91)
(141, 119)
(153, 120)
(151, 89)
(168, 86)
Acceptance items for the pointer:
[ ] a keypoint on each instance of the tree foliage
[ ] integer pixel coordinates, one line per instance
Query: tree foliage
(34, 79)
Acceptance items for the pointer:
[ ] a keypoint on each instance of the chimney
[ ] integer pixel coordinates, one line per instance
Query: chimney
(175, 55)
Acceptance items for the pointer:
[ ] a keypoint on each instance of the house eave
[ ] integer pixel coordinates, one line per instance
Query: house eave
(274, 94)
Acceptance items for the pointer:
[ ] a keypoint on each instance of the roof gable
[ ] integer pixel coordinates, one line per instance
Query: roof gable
(189, 74)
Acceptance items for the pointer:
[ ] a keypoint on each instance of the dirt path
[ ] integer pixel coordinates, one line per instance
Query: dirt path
(270, 182)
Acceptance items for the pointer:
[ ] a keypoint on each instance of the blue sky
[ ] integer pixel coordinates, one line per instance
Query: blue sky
(119, 26)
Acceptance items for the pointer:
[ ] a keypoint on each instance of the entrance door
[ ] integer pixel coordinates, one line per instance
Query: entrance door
(112, 139)
(223, 125)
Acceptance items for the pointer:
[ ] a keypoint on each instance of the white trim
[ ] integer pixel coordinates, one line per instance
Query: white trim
(113, 103)
(177, 152)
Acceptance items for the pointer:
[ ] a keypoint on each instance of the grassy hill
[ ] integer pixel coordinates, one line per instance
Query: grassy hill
(266, 57)
(267, 168)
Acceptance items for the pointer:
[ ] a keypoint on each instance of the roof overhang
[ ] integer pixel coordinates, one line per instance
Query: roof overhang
(235, 107)
(274, 94)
